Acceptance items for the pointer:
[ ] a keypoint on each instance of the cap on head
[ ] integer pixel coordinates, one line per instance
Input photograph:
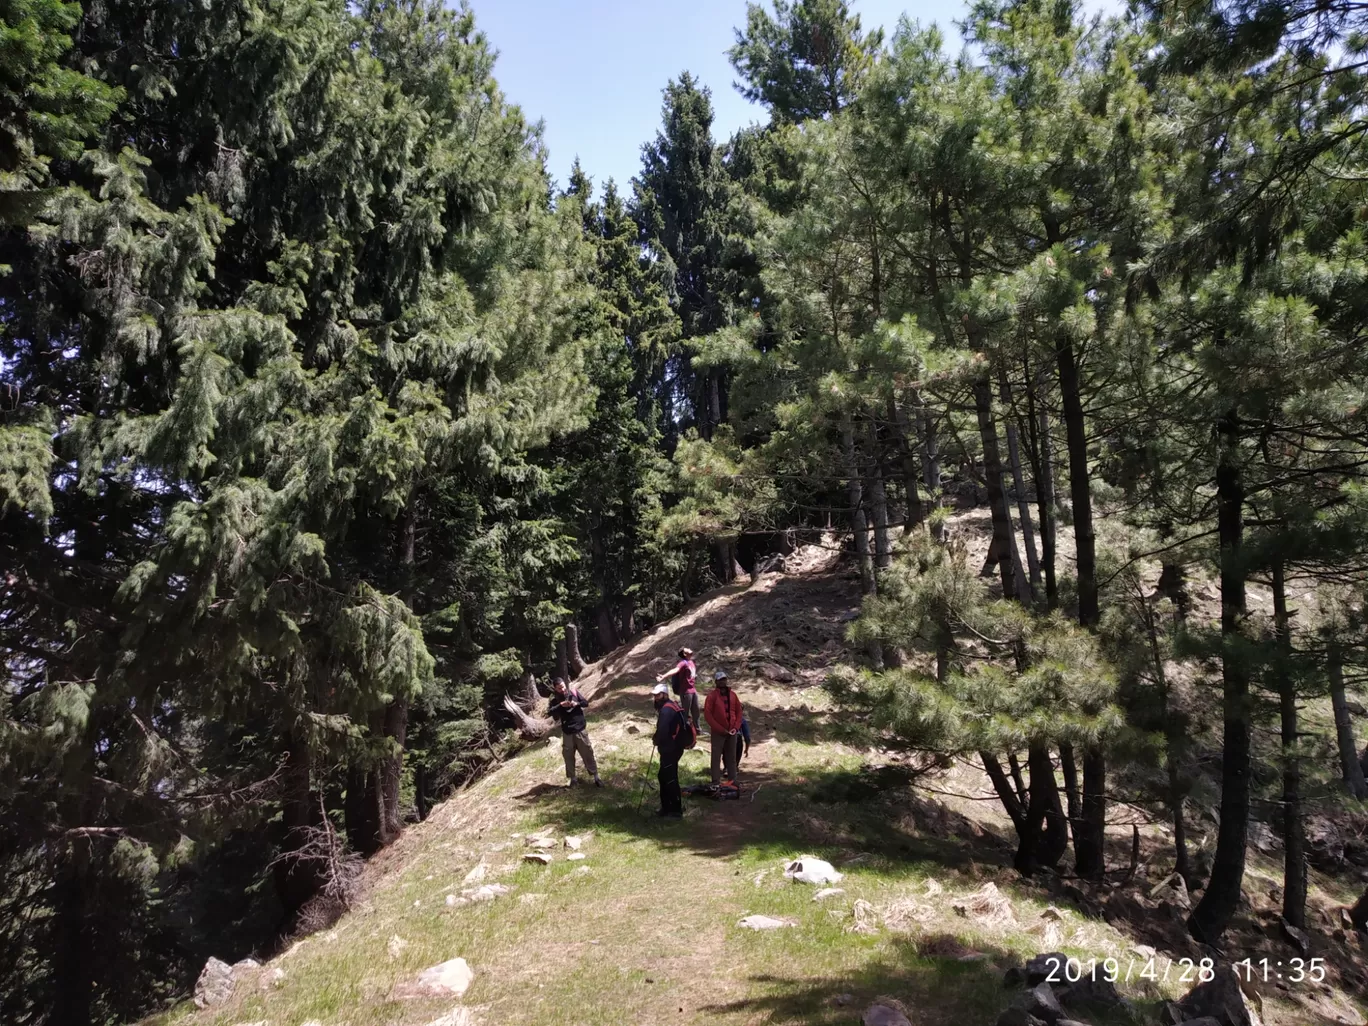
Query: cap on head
(660, 689)
(720, 676)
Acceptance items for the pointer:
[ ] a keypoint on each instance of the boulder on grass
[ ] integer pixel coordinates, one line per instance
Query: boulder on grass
(215, 984)
(451, 978)
(1221, 998)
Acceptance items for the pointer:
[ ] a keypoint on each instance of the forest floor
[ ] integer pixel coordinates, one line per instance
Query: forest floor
(644, 929)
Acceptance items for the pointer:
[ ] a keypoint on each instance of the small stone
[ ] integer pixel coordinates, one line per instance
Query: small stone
(828, 892)
(476, 875)
(1052, 914)
(575, 856)
(777, 673)
(451, 899)
(397, 944)
(1144, 951)
(541, 842)
(573, 843)
(538, 856)
(884, 1015)
(764, 923)
(272, 979)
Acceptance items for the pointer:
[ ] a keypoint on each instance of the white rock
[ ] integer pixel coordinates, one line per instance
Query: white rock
(477, 874)
(451, 899)
(396, 945)
(488, 892)
(272, 978)
(450, 979)
(538, 856)
(764, 923)
(575, 856)
(573, 843)
(828, 892)
(811, 870)
(883, 1015)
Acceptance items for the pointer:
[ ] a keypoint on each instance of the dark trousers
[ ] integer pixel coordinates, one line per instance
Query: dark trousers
(671, 800)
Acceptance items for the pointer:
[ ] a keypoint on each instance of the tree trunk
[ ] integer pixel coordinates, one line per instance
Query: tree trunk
(562, 661)
(858, 524)
(573, 660)
(1042, 469)
(915, 514)
(1019, 485)
(73, 991)
(627, 617)
(607, 633)
(392, 768)
(1350, 767)
(1017, 779)
(1003, 538)
(878, 502)
(1222, 895)
(396, 716)
(420, 798)
(714, 401)
(1043, 836)
(1068, 765)
(1294, 835)
(1011, 804)
(930, 453)
(296, 880)
(1090, 842)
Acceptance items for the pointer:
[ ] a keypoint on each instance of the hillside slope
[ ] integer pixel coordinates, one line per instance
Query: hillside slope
(644, 929)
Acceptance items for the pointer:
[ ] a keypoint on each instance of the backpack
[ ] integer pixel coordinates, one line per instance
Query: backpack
(689, 736)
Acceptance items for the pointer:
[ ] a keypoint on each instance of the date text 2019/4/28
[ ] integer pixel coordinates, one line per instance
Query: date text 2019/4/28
(1060, 969)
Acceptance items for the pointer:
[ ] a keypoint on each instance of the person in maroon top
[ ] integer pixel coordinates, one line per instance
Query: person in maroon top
(684, 674)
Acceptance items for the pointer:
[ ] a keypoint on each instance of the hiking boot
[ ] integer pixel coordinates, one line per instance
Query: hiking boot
(597, 781)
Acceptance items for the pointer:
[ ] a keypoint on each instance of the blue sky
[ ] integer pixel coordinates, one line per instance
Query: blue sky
(593, 70)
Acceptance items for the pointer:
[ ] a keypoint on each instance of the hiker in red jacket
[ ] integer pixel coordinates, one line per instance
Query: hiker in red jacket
(722, 710)
(684, 674)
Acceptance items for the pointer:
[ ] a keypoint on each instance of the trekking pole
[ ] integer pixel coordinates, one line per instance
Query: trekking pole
(645, 778)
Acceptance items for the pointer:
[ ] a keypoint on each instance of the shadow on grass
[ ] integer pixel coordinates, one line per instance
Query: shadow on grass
(935, 977)
(777, 814)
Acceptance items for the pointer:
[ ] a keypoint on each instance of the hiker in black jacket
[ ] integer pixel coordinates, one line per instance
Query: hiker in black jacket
(567, 709)
(671, 738)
